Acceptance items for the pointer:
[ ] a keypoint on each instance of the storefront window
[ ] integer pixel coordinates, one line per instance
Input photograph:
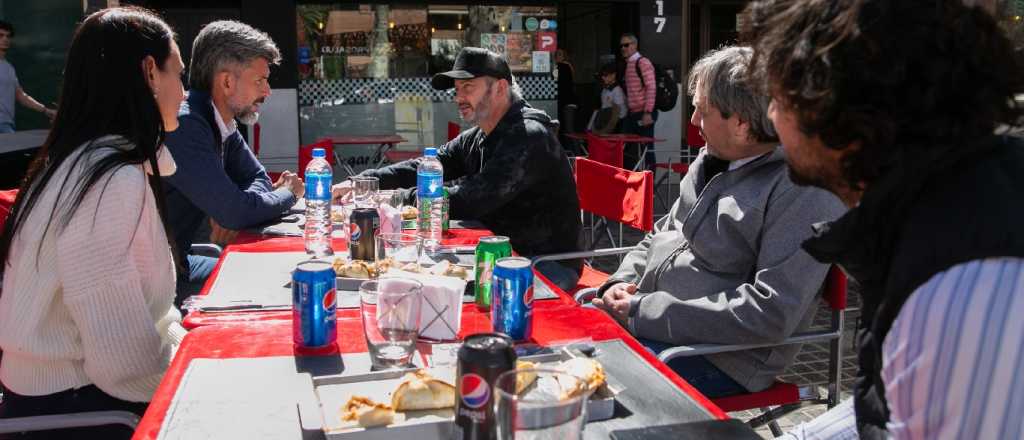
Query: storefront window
(365, 69)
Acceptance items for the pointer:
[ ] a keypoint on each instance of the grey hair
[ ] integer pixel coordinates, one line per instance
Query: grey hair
(224, 45)
(721, 77)
(515, 93)
(632, 37)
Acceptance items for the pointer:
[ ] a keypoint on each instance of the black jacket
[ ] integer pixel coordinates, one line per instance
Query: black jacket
(516, 181)
(933, 210)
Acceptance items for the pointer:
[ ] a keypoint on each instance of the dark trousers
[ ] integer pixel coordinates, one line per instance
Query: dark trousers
(88, 398)
(631, 154)
(199, 269)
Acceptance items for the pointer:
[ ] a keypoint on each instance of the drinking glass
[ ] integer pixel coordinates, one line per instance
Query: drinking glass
(364, 191)
(402, 248)
(389, 207)
(390, 308)
(541, 410)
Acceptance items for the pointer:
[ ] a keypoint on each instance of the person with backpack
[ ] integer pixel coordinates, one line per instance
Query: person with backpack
(639, 80)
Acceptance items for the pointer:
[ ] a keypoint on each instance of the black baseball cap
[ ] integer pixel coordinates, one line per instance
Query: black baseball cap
(471, 63)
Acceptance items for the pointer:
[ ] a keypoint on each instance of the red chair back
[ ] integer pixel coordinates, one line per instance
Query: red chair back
(693, 137)
(6, 203)
(306, 154)
(453, 130)
(835, 289)
(605, 151)
(619, 195)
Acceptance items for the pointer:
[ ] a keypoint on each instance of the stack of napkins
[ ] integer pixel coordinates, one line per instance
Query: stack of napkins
(441, 305)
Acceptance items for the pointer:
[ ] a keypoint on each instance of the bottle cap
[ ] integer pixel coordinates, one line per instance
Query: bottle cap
(430, 152)
(319, 153)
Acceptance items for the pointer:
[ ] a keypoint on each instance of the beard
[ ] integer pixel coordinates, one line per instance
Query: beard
(479, 112)
(246, 114)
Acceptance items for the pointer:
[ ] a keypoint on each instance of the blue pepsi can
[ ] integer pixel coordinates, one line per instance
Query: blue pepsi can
(512, 298)
(314, 323)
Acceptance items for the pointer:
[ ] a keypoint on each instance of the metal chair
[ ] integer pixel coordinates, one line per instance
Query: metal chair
(784, 396)
(613, 194)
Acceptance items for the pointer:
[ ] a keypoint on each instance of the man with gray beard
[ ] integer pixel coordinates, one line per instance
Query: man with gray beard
(219, 177)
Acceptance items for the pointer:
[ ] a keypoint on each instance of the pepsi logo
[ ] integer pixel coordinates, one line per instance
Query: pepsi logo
(474, 391)
(329, 299)
(354, 232)
(528, 296)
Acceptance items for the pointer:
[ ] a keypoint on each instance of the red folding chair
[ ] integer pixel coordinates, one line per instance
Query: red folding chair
(783, 396)
(614, 194)
(453, 130)
(605, 151)
(6, 203)
(306, 153)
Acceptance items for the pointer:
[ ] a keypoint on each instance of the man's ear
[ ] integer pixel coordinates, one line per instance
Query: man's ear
(225, 80)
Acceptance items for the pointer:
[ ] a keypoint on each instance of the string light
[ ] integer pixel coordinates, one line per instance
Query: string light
(460, 25)
(391, 25)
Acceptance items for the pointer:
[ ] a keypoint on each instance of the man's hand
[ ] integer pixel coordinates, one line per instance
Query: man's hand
(50, 113)
(646, 120)
(281, 178)
(220, 235)
(341, 191)
(294, 184)
(616, 301)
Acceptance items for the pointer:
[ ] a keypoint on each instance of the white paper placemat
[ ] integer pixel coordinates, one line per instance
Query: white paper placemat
(254, 278)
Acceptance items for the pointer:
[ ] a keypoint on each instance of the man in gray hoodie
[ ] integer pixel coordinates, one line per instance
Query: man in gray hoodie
(725, 265)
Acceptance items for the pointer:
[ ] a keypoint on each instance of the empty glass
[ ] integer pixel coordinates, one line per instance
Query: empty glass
(390, 308)
(545, 408)
(389, 207)
(402, 248)
(364, 191)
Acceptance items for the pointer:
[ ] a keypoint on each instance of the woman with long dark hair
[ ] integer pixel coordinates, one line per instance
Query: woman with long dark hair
(86, 315)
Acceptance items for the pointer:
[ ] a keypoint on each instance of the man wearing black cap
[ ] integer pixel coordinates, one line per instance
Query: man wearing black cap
(508, 171)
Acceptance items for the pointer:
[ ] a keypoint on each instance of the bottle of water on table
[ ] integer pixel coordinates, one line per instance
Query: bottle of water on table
(317, 232)
(430, 198)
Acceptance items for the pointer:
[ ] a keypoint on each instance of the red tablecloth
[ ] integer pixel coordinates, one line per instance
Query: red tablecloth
(553, 324)
(247, 242)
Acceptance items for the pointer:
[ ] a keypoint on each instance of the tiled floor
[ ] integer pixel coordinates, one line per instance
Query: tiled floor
(811, 365)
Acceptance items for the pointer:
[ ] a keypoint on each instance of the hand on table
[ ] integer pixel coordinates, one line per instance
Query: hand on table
(341, 191)
(220, 235)
(50, 113)
(281, 178)
(616, 301)
(292, 182)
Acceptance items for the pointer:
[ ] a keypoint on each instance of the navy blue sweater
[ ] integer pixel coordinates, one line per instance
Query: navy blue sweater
(225, 183)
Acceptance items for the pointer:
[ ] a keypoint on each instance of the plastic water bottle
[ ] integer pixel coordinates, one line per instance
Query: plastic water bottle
(317, 233)
(430, 199)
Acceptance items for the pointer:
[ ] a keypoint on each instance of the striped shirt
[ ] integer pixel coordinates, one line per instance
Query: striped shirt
(952, 362)
(640, 95)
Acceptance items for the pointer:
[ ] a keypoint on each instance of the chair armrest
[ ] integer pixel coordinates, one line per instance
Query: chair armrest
(207, 249)
(73, 420)
(584, 296)
(582, 254)
(702, 349)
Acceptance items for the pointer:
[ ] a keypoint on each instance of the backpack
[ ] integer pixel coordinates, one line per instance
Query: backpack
(666, 93)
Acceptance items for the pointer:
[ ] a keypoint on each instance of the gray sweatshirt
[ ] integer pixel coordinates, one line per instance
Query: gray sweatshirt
(725, 266)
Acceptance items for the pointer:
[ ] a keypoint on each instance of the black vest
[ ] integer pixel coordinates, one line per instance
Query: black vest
(920, 219)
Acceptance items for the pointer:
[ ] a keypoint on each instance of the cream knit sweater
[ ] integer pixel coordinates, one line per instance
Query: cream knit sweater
(97, 309)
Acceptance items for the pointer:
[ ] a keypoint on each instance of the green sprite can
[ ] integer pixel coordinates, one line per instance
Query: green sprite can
(488, 251)
(444, 211)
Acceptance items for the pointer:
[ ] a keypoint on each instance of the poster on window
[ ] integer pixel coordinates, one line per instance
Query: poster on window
(520, 51)
(497, 43)
(541, 62)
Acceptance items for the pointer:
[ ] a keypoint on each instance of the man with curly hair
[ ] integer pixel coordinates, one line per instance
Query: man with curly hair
(896, 106)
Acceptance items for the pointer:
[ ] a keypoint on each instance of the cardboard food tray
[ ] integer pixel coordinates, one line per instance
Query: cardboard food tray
(333, 391)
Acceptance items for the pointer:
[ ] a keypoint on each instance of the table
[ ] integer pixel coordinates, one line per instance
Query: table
(384, 144)
(16, 152)
(644, 141)
(249, 242)
(554, 324)
(22, 140)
